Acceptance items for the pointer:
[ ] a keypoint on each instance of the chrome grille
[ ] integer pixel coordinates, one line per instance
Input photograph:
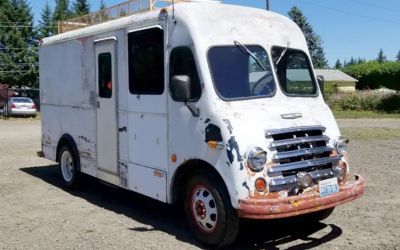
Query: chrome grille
(299, 149)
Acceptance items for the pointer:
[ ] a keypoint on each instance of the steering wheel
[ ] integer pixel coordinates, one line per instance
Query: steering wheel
(260, 81)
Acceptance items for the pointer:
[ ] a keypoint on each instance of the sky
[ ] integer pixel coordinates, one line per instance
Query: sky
(348, 28)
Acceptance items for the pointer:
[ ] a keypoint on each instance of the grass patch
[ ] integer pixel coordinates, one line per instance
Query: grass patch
(363, 114)
(370, 133)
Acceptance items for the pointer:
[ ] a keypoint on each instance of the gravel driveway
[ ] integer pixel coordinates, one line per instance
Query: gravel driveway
(35, 213)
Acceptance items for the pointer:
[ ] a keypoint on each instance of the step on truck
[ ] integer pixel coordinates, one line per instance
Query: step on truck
(212, 106)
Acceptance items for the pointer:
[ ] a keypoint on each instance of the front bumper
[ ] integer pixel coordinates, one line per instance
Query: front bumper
(259, 208)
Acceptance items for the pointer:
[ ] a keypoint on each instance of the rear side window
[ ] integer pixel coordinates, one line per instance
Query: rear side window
(182, 63)
(146, 62)
(105, 75)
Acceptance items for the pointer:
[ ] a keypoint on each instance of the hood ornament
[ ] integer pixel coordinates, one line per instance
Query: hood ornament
(291, 116)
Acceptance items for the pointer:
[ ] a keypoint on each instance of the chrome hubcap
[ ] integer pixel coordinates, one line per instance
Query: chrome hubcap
(204, 209)
(67, 166)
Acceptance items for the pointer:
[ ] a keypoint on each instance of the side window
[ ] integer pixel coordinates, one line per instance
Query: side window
(146, 62)
(182, 63)
(105, 75)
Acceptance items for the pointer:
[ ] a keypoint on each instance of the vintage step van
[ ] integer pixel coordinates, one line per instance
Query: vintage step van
(212, 106)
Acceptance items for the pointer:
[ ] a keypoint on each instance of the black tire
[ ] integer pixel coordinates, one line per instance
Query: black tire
(224, 221)
(320, 215)
(68, 166)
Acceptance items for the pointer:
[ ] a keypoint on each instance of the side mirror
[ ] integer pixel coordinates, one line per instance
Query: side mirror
(180, 87)
(321, 83)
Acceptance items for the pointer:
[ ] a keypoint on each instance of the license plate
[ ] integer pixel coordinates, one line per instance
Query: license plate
(328, 187)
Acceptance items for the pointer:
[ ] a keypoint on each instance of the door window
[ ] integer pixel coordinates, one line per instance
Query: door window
(294, 72)
(182, 63)
(146, 62)
(105, 75)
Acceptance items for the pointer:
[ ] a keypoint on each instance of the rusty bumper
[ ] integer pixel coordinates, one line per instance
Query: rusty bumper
(259, 208)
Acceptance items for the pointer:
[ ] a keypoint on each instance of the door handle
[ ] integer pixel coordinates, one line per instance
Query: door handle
(123, 129)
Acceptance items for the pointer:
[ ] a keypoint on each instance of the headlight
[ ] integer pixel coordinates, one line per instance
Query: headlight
(304, 180)
(340, 173)
(257, 158)
(341, 146)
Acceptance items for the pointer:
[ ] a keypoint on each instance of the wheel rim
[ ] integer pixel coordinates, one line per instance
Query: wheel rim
(67, 166)
(204, 209)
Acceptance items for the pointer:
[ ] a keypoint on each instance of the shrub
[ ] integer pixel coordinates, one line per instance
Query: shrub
(365, 101)
(372, 75)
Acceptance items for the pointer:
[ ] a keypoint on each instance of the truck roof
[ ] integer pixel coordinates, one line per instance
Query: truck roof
(211, 22)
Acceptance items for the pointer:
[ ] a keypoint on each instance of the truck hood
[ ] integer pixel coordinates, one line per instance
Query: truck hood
(249, 120)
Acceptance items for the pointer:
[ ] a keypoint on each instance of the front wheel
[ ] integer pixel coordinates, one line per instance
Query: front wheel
(209, 212)
(68, 167)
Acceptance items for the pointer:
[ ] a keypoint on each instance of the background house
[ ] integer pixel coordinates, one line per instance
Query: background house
(336, 79)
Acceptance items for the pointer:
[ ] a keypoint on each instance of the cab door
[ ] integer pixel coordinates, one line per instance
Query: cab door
(147, 112)
(106, 90)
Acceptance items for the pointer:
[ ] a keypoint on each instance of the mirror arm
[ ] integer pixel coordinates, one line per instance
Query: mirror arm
(195, 111)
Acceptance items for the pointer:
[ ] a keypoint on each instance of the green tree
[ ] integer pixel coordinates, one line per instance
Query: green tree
(62, 11)
(81, 7)
(314, 41)
(338, 64)
(46, 26)
(398, 57)
(102, 5)
(361, 60)
(102, 14)
(352, 61)
(18, 45)
(381, 57)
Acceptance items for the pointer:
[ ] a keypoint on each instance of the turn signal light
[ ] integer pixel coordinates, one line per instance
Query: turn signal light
(261, 185)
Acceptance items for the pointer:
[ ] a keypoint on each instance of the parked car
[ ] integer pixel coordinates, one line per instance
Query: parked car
(21, 106)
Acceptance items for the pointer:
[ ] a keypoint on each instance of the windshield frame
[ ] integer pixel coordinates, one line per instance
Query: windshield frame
(241, 98)
(310, 70)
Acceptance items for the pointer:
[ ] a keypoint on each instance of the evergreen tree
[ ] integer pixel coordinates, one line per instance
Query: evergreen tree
(61, 11)
(360, 60)
(81, 7)
(314, 41)
(102, 16)
(381, 57)
(18, 45)
(338, 64)
(46, 26)
(398, 57)
(102, 5)
(352, 61)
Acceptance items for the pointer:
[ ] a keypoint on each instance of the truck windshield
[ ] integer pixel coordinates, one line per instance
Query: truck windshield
(238, 75)
(294, 72)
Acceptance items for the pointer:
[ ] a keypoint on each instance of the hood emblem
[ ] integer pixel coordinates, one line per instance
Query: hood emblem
(291, 116)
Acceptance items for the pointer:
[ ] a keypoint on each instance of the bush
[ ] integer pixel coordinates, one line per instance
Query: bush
(372, 75)
(365, 101)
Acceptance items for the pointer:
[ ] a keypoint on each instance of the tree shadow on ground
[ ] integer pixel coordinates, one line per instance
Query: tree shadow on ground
(170, 219)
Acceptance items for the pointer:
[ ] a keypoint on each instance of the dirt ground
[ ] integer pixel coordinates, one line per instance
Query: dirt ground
(35, 213)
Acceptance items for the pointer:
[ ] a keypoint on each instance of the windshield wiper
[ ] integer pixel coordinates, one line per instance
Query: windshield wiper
(282, 54)
(250, 54)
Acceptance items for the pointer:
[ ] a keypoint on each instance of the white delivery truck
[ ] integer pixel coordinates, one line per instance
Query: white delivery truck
(209, 105)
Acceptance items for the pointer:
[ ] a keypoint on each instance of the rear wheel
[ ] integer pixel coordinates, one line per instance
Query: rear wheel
(209, 212)
(68, 163)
